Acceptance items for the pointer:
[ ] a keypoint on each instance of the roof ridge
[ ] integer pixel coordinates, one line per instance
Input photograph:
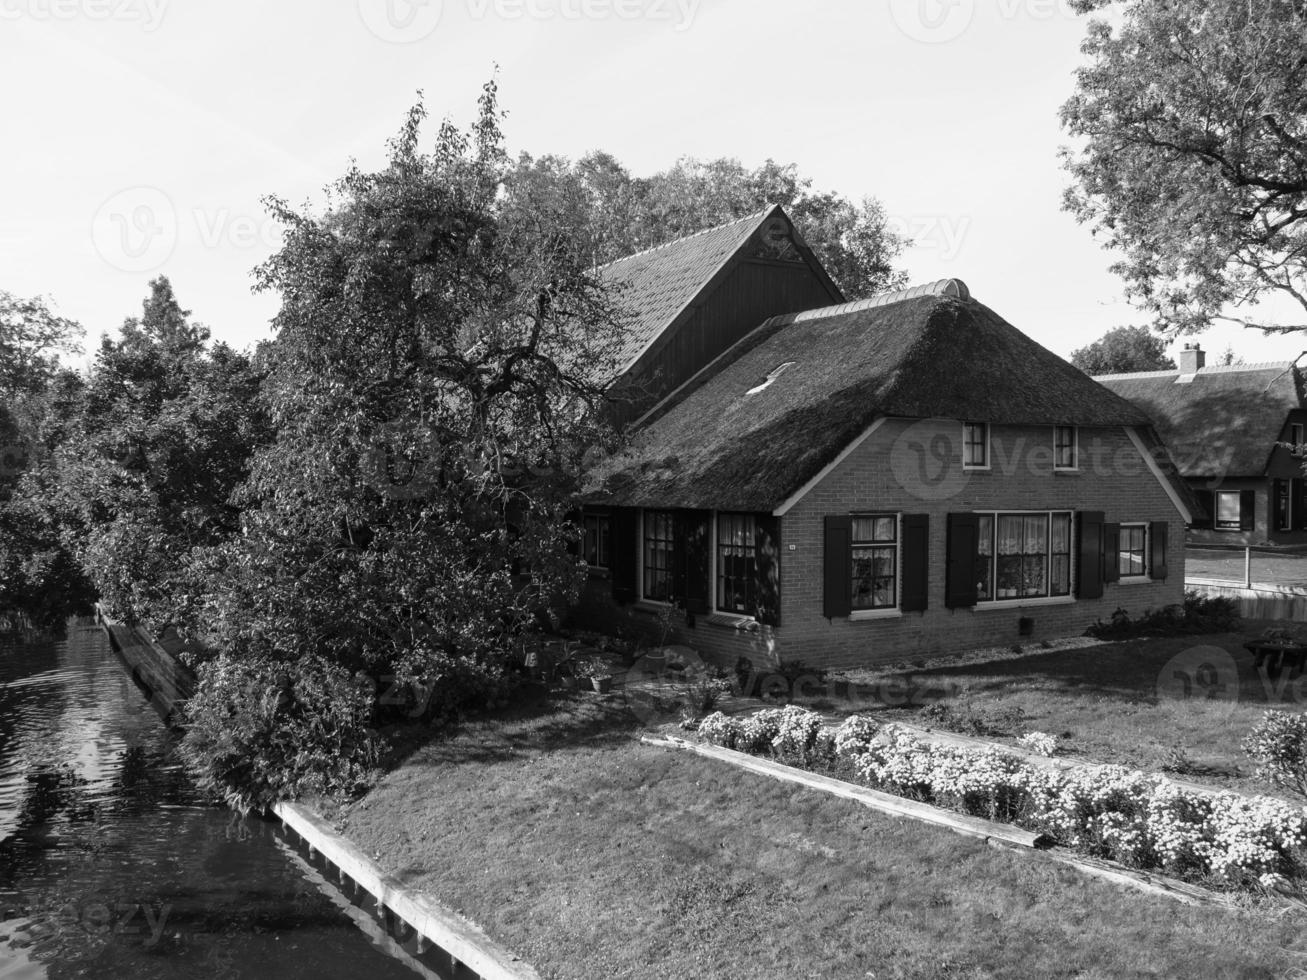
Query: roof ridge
(1285, 366)
(940, 287)
(756, 216)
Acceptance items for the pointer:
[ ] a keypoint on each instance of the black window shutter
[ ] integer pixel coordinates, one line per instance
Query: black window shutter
(694, 540)
(1111, 552)
(1157, 532)
(624, 554)
(1089, 571)
(916, 563)
(837, 562)
(963, 551)
(1247, 510)
(1207, 504)
(767, 553)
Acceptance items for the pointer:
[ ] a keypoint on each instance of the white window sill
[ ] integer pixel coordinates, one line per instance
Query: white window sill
(859, 615)
(731, 621)
(653, 606)
(1135, 580)
(1066, 469)
(975, 469)
(1057, 600)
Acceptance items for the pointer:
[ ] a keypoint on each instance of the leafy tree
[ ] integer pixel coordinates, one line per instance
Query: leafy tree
(627, 214)
(159, 438)
(1191, 121)
(441, 351)
(1122, 351)
(31, 339)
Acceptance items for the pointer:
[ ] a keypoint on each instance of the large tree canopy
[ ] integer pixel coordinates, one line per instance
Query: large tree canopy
(1191, 119)
(1123, 350)
(31, 339)
(626, 214)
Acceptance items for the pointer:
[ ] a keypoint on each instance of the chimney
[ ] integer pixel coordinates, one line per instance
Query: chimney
(1192, 359)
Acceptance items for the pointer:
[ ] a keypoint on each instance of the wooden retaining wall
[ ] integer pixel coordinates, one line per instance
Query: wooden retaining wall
(1262, 601)
(462, 940)
(155, 668)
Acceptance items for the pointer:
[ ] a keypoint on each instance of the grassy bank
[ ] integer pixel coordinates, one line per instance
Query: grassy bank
(593, 856)
(1117, 702)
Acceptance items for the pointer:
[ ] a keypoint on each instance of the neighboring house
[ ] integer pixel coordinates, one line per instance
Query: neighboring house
(1229, 430)
(691, 299)
(900, 476)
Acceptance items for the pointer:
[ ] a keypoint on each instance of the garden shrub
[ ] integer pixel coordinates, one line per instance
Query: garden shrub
(1136, 819)
(259, 731)
(1198, 614)
(1278, 744)
(721, 730)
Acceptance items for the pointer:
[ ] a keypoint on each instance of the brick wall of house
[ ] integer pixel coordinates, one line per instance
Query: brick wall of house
(915, 468)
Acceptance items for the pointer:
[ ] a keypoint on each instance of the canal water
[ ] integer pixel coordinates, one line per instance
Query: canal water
(111, 866)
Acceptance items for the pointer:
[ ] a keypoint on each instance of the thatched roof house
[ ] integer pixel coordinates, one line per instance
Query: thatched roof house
(1227, 428)
(897, 476)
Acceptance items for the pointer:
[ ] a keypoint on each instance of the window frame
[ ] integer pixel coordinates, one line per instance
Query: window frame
(1074, 465)
(1297, 434)
(718, 561)
(1145, 557)
(1217, 523)
(873, 544)
(967, 443)
(1282, 493)
(603, 540)
(667, 573)
(987, 596)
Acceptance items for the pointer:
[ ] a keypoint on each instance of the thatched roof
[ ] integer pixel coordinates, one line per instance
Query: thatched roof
(1224, 422)
(925, 353)
(661, 285)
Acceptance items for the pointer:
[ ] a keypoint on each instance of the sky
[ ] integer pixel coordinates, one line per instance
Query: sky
(141, 136)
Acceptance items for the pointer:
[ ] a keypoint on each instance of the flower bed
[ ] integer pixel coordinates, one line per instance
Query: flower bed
(1222, 840)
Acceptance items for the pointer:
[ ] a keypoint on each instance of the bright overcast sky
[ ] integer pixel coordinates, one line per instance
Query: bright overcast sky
(140, 135)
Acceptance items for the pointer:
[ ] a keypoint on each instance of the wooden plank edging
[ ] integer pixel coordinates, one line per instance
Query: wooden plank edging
(443, 927)
(1002, 835)
(897, 806)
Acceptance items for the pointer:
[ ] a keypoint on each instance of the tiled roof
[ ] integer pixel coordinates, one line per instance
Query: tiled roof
(1223, 422)
(655, 286)
(921, 354)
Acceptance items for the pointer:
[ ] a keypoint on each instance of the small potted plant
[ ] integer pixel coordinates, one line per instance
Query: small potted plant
(598, 672)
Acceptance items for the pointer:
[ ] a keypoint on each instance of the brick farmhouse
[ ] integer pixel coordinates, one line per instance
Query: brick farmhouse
(852, 483)
(1236, 432)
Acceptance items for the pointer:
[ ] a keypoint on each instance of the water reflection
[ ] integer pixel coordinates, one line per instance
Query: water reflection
(111, 865)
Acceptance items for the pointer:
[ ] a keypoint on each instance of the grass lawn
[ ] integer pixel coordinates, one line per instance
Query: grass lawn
(1119, 703)
(593, 856)
(1228, 566)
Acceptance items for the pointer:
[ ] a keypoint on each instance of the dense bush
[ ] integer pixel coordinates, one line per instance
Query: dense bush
(1198, 614)
(259, 731)
(1279, 747)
